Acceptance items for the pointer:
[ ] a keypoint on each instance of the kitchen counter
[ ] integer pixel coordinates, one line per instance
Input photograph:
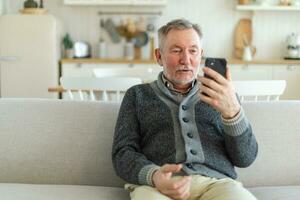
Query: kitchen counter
(272, 69)
(144, 61)
(265, 62)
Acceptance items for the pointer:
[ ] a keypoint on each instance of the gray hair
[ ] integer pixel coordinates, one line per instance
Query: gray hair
(177, 24)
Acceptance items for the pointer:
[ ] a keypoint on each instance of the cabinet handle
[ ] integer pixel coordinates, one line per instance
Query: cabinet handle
(291, 67)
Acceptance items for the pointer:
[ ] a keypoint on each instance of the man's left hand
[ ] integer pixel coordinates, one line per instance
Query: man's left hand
(219, 92)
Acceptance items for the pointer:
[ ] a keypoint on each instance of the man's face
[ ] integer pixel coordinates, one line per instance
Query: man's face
(180, 56)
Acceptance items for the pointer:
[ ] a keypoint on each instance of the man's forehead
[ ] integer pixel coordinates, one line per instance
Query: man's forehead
(187, 35)
(182, 33)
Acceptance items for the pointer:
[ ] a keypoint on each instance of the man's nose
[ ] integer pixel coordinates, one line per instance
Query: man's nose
(185, 58)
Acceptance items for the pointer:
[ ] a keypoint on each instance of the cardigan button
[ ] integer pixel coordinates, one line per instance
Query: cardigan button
(193, 152)
(184, 107)
(190, 135)
(189, 165)
(185, 119)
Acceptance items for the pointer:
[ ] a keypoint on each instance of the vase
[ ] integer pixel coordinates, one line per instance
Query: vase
(244, 2)
(129, 50)
(102, 49)
(69, 53)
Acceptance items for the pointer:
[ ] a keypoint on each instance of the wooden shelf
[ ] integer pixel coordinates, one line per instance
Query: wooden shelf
(267, 8)
(265, 62)
(36, 11)
(141, 61)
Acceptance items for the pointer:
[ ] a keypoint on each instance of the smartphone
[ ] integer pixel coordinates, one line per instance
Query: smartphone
(217, 64)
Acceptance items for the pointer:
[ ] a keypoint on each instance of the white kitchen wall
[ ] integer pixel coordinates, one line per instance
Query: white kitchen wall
(217, 18)
(271, 30)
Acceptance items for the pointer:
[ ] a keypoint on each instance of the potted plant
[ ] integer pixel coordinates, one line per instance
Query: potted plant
(30, 4)
(68, 46)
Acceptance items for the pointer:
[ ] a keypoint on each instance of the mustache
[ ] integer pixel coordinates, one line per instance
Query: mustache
(184, 68)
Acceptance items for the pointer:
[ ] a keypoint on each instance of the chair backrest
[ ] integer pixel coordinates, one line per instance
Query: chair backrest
(256, 90)
(91, 88)
(146, 74)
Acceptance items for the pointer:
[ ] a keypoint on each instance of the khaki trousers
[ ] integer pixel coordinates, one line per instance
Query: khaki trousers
(202, 188)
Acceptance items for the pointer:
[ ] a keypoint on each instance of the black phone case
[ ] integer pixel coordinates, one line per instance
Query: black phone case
(217, 64)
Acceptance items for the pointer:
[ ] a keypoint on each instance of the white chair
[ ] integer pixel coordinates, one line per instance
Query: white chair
(89, 87)
(267, 90)
(146, 74)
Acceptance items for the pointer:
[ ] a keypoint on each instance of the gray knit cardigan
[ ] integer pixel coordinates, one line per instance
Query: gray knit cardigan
(154, 128)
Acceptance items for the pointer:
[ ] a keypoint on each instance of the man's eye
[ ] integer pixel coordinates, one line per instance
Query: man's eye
(194, 51)
(175, 50)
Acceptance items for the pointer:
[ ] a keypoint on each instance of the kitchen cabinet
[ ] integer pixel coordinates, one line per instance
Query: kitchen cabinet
(290, 73)
(251, 72)
(146, 70)
(117, 2)
(86, 69)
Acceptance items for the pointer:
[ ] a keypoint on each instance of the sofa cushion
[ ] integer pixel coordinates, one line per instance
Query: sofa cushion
(276, 126)
(57, 142)
(60, 192)
(72, 192)
(65, 142)
(276, 193)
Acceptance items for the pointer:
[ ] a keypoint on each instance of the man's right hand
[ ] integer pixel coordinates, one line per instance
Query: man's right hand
(175, 189)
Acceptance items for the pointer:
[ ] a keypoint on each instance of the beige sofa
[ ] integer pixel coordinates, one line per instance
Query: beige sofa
(60, 150)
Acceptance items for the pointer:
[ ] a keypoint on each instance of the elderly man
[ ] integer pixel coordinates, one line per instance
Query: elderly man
(172, 141)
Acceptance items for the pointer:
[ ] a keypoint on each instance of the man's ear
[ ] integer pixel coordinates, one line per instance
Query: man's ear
(202, 52)
(158, 56)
